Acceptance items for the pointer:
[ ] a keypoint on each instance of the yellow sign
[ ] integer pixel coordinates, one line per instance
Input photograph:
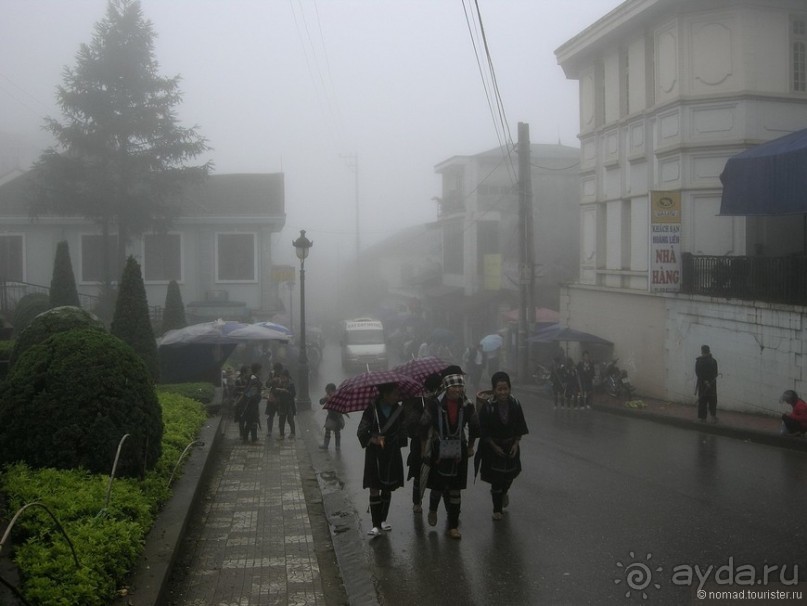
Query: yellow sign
(492, 272)
(283, 273)
(665, 207)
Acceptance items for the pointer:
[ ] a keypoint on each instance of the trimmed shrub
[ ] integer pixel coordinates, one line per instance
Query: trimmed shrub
(131, 323)
(68, 401)
(174, 310)
(50, 322)
(28, 308)
(63, 283)
(201, 392)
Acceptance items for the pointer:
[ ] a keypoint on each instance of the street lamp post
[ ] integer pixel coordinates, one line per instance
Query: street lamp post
(301, 246)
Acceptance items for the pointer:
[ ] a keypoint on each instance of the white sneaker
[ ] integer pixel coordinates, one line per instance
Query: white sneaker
(374, 532)
(386, 526)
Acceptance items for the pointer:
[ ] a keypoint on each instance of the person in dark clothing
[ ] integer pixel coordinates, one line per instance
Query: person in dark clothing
(706, 385)
(418, 436)
(382, 434)
(250, 415)
(447, 416)
(558, 378)
(239, 401)
(501, 425)
(334, 422)
(271, 402)
(281, 401)
(585, 373)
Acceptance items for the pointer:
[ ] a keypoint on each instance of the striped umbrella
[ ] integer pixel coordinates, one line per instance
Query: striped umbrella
(359, 392)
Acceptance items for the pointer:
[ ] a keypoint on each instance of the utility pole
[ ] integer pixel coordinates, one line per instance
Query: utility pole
(353, 162)
(525, 240)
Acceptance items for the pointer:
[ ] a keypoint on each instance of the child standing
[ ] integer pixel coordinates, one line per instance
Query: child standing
(335, 421)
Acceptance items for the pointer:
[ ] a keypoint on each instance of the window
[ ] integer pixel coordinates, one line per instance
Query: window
(162, 257)
(93, 253)
(798, 46)
(11, 257)
(235, 258)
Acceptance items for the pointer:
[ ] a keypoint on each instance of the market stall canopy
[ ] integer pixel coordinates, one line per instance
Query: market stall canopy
(560, 333)
(542, 314)
(768, 179)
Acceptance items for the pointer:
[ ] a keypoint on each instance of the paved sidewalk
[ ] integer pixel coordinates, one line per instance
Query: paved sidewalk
(760, 428)
(255, 544)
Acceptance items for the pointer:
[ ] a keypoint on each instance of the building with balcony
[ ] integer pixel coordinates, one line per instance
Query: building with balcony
(669, 91)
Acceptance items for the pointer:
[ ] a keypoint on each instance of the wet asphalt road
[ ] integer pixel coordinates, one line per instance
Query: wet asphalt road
(608, 510)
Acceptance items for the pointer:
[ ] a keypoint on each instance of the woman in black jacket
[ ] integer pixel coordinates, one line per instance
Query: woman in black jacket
(382, 434)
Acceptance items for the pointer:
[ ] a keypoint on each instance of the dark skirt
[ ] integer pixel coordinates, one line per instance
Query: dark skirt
(383, 468)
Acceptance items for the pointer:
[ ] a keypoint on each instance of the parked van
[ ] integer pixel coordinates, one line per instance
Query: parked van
(364, 346)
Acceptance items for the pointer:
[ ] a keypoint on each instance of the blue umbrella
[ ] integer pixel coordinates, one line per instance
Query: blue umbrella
(491, 343)
(275, 326)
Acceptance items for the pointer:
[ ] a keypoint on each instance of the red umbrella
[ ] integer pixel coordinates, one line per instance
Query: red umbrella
(357, 393)
(421, 368)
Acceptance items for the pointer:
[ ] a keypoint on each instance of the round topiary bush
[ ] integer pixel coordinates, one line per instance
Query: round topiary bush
(27, 308)
(50, 322)
(67, 402)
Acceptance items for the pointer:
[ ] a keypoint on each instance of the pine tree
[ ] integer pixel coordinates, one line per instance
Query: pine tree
(63, 283)
(174, 311)
(131, 322)
(121, 152)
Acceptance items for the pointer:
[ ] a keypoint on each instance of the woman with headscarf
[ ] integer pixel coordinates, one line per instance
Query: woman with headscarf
(447, 415)
(501, 425)
(382, 434)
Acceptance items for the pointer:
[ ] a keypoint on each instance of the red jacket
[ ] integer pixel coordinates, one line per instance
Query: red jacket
(799, 413)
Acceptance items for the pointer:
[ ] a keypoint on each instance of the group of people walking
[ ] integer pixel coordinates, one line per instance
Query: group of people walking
(278, 391)
(442, 430)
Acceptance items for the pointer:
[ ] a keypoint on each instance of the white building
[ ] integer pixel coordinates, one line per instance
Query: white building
(669, 90)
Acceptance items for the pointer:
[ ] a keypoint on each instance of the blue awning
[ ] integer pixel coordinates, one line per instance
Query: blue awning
(768, 179)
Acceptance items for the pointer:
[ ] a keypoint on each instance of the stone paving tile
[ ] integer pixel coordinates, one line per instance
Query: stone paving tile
(256, 546)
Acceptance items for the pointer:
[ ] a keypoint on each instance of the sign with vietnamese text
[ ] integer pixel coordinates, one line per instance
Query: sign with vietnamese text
(665, 241)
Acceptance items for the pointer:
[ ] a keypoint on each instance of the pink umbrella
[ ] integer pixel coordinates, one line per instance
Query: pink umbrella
(357, 393)
(421, 368)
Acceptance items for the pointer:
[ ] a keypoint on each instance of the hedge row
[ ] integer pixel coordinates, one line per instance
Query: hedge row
(108, 539)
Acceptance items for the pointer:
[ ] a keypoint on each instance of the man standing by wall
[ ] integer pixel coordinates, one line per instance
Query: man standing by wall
(706, 386)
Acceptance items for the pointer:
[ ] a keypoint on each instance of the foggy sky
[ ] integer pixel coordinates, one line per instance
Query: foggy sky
(296, 85)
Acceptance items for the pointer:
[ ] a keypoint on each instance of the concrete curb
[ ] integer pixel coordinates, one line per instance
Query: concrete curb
(740, 433)
(758, 437)
(149, 580)
(343, 521)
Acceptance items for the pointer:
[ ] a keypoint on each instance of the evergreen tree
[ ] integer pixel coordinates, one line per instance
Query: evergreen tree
(121, 153)
(63, 283)
(131, 322)
(174, 311)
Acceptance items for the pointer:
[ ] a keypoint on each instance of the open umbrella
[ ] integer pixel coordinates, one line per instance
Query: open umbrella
(491, 343)
(257, 332)
(558, 332)
(357, 393)
(277, 327)
(421, 368)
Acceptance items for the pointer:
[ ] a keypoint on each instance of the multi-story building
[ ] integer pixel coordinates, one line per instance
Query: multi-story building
(669, 90)
(479, 217)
